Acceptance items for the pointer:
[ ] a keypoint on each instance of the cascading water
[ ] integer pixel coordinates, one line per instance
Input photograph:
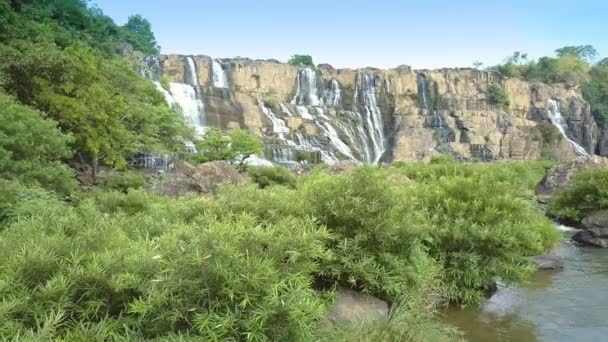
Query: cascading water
(555, 116)
(187, 99)
(422, 89)
(307, 93)
(333, 95)
(366, 89)
(219, 75)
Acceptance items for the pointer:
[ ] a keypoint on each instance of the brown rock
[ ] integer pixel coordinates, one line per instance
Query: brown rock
(341, 167)
(204, 178)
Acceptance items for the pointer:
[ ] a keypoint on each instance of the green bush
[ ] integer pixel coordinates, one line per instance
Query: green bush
(84, 275)
(301, 60)
(123, 181)
(498, 96)
(266, 176)
(589, 192)
(262, 264)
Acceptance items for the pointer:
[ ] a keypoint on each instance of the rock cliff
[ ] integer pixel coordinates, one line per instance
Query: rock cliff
(371, 115)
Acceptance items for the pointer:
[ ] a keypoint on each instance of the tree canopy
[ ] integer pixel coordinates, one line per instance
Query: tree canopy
(301, 60)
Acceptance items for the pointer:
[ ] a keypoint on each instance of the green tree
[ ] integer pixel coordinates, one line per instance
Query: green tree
(32, 148)
(478, 65)
(138, 32)
(301, 60)
(583, 52)
(214, 146)
(244, 144)
(237, 145)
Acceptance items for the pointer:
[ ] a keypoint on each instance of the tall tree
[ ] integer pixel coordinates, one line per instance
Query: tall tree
(138, 32)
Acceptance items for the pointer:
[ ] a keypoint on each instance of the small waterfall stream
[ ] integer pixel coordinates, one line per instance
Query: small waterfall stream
(422, 89)
(366, 89)
(219, 75)
(307, 92)
(555, 116)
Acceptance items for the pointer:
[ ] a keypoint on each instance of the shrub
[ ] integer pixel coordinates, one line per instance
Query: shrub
(87, 274)
(589, 192)
(301, 60)
(498, 96)
(266, 176)
(123, 181)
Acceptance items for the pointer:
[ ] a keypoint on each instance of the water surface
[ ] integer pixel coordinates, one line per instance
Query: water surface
(567, 305)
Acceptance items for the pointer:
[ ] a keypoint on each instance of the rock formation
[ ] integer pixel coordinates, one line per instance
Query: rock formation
(371, 115)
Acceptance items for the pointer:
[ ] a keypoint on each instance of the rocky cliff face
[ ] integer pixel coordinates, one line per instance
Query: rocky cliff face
(372, 115)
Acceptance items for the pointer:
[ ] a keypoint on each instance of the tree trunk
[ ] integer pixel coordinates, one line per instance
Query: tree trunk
(94, 166)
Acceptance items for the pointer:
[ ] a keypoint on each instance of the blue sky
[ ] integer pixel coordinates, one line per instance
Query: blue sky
(379, 33)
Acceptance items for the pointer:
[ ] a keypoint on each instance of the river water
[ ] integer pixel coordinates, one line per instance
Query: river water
(566, 305)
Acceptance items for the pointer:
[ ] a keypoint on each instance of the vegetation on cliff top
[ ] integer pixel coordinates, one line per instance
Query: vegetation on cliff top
(572, 65)
(301, 60)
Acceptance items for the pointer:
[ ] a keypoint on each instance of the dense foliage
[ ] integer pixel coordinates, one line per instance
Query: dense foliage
(265, 176)
(589, 192)
(32, 148)
(236, 145)
(61, 57)
(301, 60)
(262, 264)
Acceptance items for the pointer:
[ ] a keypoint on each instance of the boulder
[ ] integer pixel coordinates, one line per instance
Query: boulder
(558, 177)
(597, 219)
(355, 307)
(210, 175)
(547, 262)
(597, 237)
(341, 167)
(204, 178)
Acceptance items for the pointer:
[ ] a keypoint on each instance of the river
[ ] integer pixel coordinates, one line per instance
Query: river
(566, 305)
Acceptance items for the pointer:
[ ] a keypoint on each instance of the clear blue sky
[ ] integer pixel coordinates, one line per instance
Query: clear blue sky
(380, 33)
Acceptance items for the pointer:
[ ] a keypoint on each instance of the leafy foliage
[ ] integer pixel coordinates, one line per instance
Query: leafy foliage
(237, 145)
(138, 32)
(301, 60)
(265, 176)
(32, 148)
(498, 96)
(124, 181)
(589, 192)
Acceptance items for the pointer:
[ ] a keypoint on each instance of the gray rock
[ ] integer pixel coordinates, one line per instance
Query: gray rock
(354, 307)
(597, 219)
(547, 262)
(558, 177)
(204, 178)
(597, 237)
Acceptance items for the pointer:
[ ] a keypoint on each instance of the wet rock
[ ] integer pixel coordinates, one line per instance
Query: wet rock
(558, 177)
(597, 219)
(597, 237)
(547, 262)
(352, 306)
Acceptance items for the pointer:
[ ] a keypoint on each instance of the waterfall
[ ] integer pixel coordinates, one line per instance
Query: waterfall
(422, 89)
(366, 89)
(307, 92)
(278, 125)
(219, 75)
(332, 96)
(555, 116)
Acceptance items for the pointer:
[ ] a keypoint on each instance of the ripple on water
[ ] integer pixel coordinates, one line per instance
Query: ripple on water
(555, 306)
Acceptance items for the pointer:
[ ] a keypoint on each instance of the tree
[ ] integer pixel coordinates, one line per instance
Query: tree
(214, 146)
(301, 60)
(478, 65)
(237, 146)
(138, 32)
(583, 52)
(32, 148)
(244, 144)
